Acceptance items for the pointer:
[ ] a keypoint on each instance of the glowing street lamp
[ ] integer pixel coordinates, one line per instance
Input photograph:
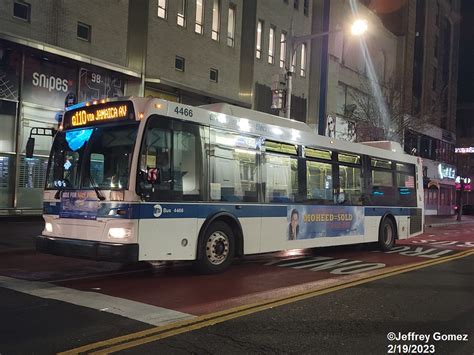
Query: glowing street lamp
(358, 28)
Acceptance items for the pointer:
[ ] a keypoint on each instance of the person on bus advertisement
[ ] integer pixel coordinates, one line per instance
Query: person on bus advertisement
(293, 227)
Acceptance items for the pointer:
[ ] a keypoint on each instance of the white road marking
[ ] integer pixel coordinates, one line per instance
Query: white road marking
(134, 310)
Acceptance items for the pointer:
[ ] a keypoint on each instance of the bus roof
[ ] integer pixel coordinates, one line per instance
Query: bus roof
(246, 121)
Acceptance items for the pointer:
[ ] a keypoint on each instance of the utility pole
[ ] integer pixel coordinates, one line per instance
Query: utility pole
(358, 28)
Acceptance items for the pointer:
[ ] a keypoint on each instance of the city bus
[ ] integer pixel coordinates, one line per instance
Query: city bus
(143, 179)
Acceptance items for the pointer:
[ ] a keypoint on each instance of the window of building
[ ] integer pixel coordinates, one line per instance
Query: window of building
(199, 16)
(22, 10)
(231, 26)
(162, 8)
(84, 31)
(181, 16)
(303, 60)
(179, 63)
(306, 7)
(271, 45)
(296, 4)
(258, 52)
(282, 49)
(216, 8)
(214, 75)
(293, 62)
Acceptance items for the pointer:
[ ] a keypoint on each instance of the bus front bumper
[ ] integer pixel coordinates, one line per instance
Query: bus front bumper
(86, 249)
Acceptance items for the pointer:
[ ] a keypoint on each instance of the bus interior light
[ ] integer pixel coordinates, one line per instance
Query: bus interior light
(102, 101)
(141, 115)
(94, 102)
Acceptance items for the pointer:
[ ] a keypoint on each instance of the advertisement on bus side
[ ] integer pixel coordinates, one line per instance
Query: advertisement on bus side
(308, 222)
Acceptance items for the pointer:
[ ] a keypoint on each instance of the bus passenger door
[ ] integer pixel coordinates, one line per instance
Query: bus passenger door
(171, 153)
(233, 181)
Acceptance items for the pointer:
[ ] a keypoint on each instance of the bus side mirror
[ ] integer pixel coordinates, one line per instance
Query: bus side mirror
(30, 147)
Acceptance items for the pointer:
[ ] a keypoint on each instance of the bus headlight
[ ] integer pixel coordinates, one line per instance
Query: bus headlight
(48, 227)
(120, 233)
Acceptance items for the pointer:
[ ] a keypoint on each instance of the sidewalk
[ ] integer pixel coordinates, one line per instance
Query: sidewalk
(438, 221)
(16, 234)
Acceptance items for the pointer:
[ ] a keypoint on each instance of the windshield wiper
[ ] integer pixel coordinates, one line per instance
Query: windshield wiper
(96, 188)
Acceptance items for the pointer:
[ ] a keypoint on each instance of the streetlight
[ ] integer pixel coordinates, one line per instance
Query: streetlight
(358, 28)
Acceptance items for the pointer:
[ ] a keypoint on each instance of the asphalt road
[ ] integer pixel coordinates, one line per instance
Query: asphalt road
(41, 315)
(355, 320)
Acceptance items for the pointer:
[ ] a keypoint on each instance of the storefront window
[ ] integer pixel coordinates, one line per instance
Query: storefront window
(7, 177)
(31, 182)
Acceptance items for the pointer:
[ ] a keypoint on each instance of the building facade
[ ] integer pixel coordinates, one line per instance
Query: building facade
(431, 55)
(405, 68)
(191, 51)
(355, 63)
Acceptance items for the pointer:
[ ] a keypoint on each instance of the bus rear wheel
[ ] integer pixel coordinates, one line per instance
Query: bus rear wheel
(387, 234)
(216, 249)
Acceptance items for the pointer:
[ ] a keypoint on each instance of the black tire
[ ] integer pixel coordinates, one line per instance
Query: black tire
(216, 249)
(387, 234)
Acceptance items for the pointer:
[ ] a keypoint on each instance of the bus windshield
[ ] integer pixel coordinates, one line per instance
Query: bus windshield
(95, 157)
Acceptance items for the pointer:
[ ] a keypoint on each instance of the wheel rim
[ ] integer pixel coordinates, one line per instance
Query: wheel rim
(217, 247)
(388, 234)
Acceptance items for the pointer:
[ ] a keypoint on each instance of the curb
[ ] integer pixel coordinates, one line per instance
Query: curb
(441, 224)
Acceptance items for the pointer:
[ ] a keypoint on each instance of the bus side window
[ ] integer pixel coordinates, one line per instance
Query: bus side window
(319, 181)
(350, 184)
(280, 175)
(233, 167)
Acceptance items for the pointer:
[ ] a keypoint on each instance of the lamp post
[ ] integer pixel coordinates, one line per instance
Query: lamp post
(358, 28)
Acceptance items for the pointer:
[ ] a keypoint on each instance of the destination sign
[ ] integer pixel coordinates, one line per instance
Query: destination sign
(98, 114)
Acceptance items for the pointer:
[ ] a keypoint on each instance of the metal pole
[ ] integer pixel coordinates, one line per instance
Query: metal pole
(294, 42)
(289, 86)
(289, 76)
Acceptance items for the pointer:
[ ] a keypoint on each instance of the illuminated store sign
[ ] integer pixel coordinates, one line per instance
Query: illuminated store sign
(464, 150)
(463, 183)
(446, 171)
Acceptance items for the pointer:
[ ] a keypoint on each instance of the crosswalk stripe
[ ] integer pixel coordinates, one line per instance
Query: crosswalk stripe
(141, 312)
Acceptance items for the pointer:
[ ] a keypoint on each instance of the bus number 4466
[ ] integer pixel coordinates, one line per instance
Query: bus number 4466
(183, 111)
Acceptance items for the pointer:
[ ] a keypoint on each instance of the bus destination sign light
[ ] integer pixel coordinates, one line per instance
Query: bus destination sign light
(84, 117)
(98, 114)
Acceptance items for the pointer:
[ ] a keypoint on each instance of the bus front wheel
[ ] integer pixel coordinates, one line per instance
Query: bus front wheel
(387, 234)
(216, 248)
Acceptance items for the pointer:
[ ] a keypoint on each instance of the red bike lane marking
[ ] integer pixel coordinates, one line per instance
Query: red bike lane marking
(247, 281)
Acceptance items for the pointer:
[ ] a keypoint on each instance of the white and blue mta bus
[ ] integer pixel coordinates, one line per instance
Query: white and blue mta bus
(135, 179)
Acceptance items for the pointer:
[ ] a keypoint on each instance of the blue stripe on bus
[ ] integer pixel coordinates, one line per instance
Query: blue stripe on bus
(380, 211)
(196, 210)
(148, 210)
